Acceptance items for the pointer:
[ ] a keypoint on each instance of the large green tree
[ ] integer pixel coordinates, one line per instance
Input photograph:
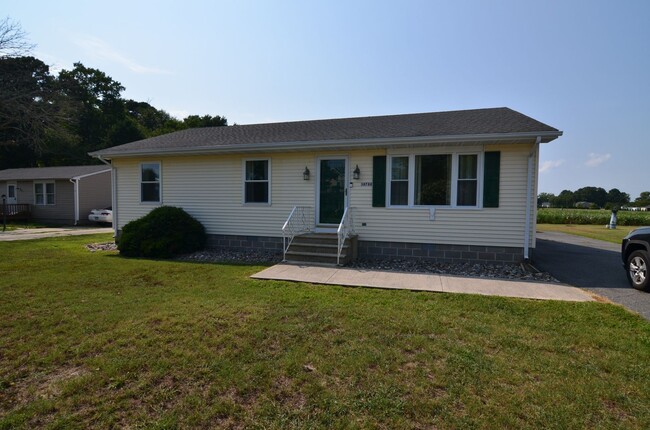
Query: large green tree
(643, 199)
(56, 120)
(566, 199)
(595, 195)
(33, 112)
(617, 198)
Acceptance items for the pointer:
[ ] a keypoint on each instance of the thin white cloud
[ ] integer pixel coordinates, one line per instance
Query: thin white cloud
(551, 164)
(56, 64)
(595, 160)
(100, 49)
(179, 113)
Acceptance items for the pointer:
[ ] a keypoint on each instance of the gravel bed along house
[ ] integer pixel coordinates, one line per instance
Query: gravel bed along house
(108, 246)
(476, 270)
(232, 256)
(524, 272)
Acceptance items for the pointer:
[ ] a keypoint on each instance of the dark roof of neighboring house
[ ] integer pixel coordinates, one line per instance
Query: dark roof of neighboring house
(477, 122)
(59, 172)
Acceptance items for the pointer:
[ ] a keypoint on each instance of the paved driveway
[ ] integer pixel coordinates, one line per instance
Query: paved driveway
(39, 233)
(590, 264)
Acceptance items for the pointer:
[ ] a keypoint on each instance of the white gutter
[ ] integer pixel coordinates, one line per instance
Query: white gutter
(529, 196)
(330, 144)
(75, 182)
(113, 193)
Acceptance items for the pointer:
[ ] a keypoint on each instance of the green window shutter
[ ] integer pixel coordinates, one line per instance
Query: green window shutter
(379, 181)
(491, 174)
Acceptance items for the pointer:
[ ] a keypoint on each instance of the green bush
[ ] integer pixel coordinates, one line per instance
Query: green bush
(589, 216)
(162, 233)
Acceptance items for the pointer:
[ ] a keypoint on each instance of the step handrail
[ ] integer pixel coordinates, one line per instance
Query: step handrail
(345, 230)
(300, 221)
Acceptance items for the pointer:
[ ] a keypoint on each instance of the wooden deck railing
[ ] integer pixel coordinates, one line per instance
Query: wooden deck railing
(15, 211)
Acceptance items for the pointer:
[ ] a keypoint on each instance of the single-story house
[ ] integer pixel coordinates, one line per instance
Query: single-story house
(64, 194)
(450, 186)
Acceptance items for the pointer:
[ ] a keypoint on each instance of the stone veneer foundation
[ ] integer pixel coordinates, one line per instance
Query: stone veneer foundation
(381, 250)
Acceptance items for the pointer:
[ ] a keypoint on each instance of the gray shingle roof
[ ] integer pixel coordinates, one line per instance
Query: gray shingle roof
(434, 124)
(59, 172)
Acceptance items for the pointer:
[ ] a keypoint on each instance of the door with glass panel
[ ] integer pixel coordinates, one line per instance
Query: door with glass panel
(12, 199)
(331, 190)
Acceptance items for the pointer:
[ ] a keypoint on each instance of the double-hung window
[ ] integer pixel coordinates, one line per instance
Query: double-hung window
(150, 182)
(44, 193)
(257, 181)
(467, 180)
(434, 180)
(399, 181)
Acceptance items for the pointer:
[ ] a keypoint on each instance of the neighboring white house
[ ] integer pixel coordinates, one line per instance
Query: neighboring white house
(62, 194)
(451, 186)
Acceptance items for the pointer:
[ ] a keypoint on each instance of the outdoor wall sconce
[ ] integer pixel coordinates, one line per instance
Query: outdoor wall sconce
(305, 174)
(356, 174)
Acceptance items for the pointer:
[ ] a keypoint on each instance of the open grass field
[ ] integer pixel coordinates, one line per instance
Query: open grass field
(590, 216)
(93, 340)
(591, 231)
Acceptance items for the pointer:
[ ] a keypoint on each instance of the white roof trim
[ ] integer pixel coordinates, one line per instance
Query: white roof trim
(89, 174)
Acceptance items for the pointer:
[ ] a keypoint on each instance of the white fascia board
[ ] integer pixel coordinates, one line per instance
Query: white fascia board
(90, 174)
(320, 145)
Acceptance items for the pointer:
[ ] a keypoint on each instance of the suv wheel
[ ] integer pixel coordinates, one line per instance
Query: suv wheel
(637, 270)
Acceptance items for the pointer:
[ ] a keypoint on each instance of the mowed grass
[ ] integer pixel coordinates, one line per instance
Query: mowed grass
(93, 340)
(591, 231)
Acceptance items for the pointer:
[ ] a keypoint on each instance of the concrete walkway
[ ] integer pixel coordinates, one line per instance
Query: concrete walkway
(423, 282)
(40, 233)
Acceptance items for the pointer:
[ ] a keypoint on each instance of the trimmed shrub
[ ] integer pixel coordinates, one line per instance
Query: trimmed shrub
(162, 233)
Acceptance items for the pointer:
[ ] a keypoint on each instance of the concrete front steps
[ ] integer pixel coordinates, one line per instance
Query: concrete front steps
(320, 248)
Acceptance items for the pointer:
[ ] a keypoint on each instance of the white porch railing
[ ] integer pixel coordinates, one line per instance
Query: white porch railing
(345, 230)
(300, 221)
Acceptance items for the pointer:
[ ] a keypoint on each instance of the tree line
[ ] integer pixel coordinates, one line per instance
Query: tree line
(594, 197)
(56, 119)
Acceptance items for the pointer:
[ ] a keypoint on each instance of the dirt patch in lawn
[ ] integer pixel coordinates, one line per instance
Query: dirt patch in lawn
(46, 385)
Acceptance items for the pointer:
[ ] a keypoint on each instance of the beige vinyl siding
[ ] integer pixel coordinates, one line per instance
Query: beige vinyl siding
(502, 226)
(25, 192)
(94, 193)
(63, 208)
(210, 188)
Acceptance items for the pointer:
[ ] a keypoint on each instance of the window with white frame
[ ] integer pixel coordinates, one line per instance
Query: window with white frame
(450, 179)
(432, 180)
(150, 182)
(467, 180)
(44, 193)
(399, 181)
(257, 182)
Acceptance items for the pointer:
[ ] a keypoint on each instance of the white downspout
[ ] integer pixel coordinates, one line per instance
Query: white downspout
(529, 196)
(113, 194)
(75, 182)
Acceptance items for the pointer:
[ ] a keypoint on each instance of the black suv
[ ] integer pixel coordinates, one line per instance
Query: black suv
(635, 252)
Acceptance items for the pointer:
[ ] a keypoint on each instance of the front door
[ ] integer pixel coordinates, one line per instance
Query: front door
(331, 190)
(11, 194)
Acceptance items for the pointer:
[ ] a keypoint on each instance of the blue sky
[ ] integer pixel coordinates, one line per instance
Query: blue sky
(580, 66)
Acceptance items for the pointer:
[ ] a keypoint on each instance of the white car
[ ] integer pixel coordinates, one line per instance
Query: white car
(101, 215)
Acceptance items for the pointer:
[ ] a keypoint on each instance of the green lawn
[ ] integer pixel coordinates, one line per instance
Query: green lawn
(592, 231)
(92, 340)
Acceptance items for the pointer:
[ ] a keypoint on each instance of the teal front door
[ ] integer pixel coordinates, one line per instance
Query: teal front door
(331, 189)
